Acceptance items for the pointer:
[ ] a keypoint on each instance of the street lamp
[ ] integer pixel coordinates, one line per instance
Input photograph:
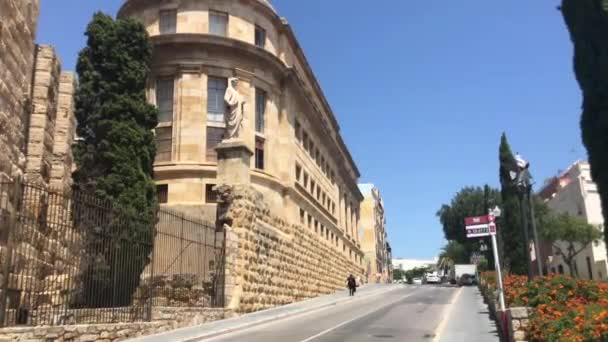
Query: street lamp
(523, 182)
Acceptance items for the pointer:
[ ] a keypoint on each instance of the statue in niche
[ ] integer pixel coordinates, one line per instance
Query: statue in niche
(236, 109)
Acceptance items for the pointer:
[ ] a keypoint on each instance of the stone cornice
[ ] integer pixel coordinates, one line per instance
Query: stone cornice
(209, 40)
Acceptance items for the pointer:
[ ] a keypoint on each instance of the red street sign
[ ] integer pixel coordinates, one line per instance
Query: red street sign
(474, 221)
(493, 228)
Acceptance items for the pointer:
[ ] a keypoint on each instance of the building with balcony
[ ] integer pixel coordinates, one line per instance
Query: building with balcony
(301, 163)
(575, 193)
(374, 239)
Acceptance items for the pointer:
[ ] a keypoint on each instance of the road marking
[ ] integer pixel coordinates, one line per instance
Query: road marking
(446, 316)
(324, 332)
(296, 315)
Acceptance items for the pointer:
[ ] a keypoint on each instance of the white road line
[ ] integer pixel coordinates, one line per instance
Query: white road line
(297, 315)
(446, 316)
(324, 332)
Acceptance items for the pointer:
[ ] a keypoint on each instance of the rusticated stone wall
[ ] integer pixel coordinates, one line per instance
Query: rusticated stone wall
(44, 112)
(65, 130)
(163, 319)
(18, 22)
(270, 262)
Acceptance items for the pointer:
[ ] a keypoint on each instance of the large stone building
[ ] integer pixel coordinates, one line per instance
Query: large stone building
(374, 238)
(301, 164)
(575, 193)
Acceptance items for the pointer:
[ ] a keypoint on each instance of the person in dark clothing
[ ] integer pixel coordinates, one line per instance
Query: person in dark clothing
(352, 285)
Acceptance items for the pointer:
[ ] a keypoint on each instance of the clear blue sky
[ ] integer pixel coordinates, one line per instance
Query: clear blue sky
(422, 91)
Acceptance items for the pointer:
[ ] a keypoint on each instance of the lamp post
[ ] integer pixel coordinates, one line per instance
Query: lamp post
(523, 182)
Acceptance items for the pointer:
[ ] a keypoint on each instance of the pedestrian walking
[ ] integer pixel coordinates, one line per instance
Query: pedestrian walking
(351, 282)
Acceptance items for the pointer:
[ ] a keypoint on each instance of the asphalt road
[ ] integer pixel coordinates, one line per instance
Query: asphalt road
(407, 314)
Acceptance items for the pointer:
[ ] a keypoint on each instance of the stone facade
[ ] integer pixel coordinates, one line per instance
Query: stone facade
(300, 162)
(270, 262)
(374, 240)
(18, 23)
(518, 319)
(163, 319)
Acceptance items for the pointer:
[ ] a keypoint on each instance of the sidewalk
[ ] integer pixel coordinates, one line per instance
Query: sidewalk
(469, 320)
(211, 329)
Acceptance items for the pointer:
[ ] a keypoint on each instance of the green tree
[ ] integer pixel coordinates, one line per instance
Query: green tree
(587, 21)
(570, 235)
(468, 202)
(398, 274)
(115, 155)
(513, 246)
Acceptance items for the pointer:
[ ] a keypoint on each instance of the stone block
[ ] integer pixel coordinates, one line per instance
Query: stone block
(519, 336)
(519, 313)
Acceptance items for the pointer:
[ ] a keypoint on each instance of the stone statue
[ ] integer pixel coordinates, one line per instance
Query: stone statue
(236, 105)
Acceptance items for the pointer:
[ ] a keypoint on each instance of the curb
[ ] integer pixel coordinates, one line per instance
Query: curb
(192, 336)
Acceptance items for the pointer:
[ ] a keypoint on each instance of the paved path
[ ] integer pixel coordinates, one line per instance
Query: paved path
(394, 313)
(469, 319)
(412, 313)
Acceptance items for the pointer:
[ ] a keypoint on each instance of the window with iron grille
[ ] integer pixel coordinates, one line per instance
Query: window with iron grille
(211, 195)
(218, 23)
(260, 110)
(164, 100)
(163, 143)
(259, 154)
(260, 36)
(216, 107)
(162, 193)
(167, 22)
(214, 137)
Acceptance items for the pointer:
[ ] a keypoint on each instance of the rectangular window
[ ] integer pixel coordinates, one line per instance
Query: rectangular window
(305, 140)
(302, 216)
(318, 193)
(216, 108)
(210, 194)
(162, 193)
(164, 137)
(589, 268)
(298, 172)
(317, 227)
(164, 100)
(298, 130)
(309, 221)
(260, 36)
(167, 22)
(312, 187)
(260, 110)
(259, 154)
(305, 180)
(218, 23)
(214, 138)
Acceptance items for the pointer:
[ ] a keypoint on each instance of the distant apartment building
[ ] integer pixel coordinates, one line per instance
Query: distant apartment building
(575, 193)
(373, 236)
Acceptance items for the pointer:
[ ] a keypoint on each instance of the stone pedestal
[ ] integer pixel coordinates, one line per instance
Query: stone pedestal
(233, 162)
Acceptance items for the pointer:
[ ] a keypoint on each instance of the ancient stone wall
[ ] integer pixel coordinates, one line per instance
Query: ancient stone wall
(270, 262)
(18, 22)
(65, 130)
(44, 112)
(163, 319)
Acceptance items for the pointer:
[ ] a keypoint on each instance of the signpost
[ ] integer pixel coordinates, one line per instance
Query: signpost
(482, 226)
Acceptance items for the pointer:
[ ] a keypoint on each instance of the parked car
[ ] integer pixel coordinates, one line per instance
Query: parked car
(433, 279)
(466, 280)
(417, 281)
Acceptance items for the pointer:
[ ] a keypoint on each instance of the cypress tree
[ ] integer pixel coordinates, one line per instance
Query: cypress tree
(511, 233)
(587, 21)
(115, 155)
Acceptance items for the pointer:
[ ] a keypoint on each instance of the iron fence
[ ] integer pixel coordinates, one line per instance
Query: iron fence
(73, 259)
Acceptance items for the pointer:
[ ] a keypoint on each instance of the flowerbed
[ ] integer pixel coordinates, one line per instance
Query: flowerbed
(564, 309)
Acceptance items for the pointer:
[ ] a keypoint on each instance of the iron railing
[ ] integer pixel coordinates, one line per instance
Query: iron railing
(70, 258)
